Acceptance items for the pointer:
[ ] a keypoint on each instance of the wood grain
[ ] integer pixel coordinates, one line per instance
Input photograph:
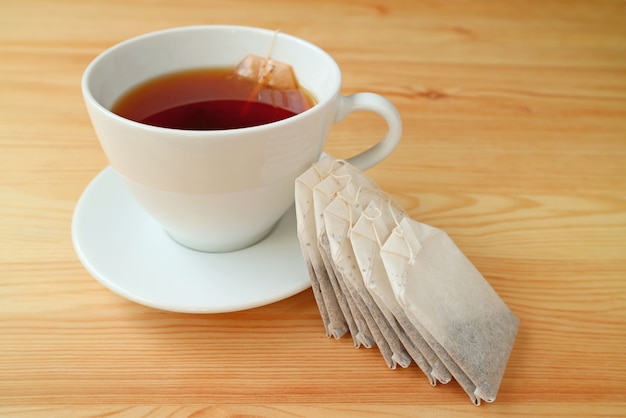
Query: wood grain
(514, 143)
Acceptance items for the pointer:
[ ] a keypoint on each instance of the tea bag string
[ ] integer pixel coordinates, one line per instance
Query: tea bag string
(267, 60)
(371, 219)
(399, 232)
(350, 202)
(338, 177)
(353, 201)
(391, 211)
(330, 169)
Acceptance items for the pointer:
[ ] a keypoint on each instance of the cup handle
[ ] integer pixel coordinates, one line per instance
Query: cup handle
(378, 104)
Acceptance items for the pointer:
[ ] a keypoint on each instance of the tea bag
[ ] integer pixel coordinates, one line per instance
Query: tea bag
(456, 310)
(399, 283)
(276, 83)
(338, 217)
(334, 321)
(267, 72)
(323, 194)
(368, 233)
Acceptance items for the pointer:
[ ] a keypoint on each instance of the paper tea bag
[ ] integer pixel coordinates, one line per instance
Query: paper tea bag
(334, 321)
(368, 233)
(267, 72)
(338, 217)
(276, 83)
(442, 292)
(397, 286)
(323, 194)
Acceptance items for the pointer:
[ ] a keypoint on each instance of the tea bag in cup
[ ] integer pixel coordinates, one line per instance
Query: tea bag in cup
(369, 232)
(267, 72)
(339, 216)
(334, 321)
(456, 310)
(276, 83)
(323, 194)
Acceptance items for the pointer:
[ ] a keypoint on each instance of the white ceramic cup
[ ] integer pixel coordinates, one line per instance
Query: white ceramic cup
(221, 190)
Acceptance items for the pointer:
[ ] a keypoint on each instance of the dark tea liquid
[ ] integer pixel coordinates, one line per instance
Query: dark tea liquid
(209, 99)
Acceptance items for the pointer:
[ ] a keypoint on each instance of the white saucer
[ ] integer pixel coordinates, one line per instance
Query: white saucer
(129, 253)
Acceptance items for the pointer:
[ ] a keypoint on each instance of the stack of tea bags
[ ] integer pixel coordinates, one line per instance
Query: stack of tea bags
(398, 284)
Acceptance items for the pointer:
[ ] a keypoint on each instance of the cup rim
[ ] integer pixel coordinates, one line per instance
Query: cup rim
(89, 97)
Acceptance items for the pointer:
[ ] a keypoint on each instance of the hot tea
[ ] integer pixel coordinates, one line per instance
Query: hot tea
(210, 99)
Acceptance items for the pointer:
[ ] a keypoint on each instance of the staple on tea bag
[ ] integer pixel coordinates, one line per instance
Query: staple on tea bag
(339, 217)
(368, 233)
(323, 194)
(334, 321)
(441, 291)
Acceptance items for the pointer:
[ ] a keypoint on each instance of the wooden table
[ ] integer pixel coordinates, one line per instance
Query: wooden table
(514, 143)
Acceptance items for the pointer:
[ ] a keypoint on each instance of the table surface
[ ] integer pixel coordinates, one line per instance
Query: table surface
(514, 143)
